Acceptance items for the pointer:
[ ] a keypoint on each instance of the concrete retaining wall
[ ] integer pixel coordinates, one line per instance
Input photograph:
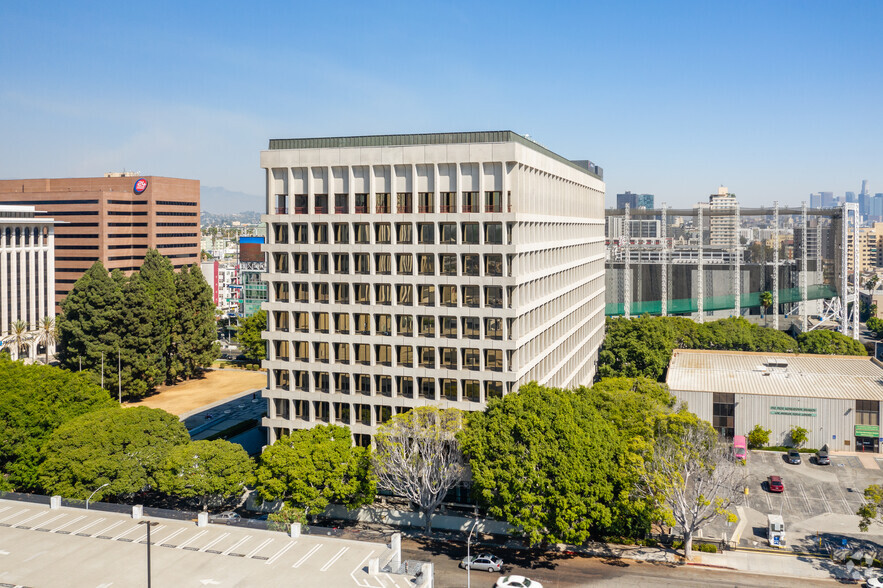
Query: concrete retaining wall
(407, 518)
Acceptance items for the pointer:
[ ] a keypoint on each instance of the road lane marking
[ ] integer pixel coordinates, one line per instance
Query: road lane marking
(105, 530)
(309, 554)
(210, 544)
(86, 526)
(71, 522)
(191, 540)
(254, 551)
(336, 557)
(171, 535)
(280, 553)
(235, 545)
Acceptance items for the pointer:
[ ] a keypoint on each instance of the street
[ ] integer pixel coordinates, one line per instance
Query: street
(572, 571)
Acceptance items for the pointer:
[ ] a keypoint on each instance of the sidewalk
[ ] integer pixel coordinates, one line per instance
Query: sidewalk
(868, 459)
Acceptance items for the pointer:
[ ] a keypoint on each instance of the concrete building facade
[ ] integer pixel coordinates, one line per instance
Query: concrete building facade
(722, 229)
(27, 271)
(114, 219)
(407, 270)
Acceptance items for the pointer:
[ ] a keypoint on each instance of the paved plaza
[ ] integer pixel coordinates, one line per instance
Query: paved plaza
(74, 547)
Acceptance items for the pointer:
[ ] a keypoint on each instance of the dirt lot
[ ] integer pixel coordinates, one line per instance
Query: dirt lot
(216, 385)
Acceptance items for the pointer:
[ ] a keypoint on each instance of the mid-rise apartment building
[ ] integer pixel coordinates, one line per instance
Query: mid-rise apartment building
(115, 218)
(722, 228)
(27, 271)
(443, 269)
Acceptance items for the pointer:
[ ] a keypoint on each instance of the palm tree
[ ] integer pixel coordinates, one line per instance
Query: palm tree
(47, 334)
(766, 300)
(19, 336)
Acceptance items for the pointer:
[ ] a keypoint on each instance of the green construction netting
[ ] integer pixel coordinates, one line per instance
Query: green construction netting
(686, 305)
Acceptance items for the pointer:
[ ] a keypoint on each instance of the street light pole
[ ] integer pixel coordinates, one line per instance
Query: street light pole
(93, 494)
(468, 554)
(149, 524)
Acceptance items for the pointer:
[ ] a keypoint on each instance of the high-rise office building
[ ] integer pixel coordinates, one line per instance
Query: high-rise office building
(634, 200)
(443, 269)
(252, 264)
(722, 228)
(116, 219)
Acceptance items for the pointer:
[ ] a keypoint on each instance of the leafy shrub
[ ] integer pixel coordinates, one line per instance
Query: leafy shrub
(758, 437)
(799, 436)
(707, 548)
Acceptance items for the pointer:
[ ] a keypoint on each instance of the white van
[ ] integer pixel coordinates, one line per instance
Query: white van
(775, 530)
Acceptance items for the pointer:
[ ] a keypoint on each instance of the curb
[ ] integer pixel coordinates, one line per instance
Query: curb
(702, 565)
(792, 553)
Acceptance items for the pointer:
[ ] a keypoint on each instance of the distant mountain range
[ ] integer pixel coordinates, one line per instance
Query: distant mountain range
(222, 201)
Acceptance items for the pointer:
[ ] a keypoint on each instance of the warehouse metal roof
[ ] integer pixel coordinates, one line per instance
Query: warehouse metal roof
(776, 374)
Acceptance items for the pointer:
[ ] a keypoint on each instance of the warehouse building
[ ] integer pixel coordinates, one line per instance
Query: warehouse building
(834, 397)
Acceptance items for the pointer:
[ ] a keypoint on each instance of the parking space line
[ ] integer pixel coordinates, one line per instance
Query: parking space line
(105, 530)
(280, 553)
(15, 514)
(843, 498)
(86, 526)
(29, 519)
(230, 549)
(824, 500)
(309, 554)
(5, 508)
(805, 499)
(331, 561)
(191, 540)
(52, 520)
(144, 536)
(358, 568)
(211, 544)
(769, 501)
(254, 551)
(170, 536)
(126, 532)
(71, 522)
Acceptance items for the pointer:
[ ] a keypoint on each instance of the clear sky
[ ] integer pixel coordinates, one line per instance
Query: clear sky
(771, 99)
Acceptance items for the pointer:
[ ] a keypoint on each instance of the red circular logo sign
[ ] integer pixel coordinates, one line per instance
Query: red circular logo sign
(140, 185)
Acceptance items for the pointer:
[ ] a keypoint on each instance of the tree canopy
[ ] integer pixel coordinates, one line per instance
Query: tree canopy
(159, 325)
(35, 400)
(829, 343)
(311, 468)
(214, 472)
(254, 348)
(124, 447)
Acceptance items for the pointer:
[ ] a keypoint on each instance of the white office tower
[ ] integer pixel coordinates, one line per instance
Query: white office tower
(723, 228)
(407, 270)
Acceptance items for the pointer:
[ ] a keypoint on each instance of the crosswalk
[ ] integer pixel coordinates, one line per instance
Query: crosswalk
(305, 553)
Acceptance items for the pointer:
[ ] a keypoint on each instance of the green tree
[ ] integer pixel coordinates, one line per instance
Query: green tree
(35, 400)
(214, 472)
(122, 447)
(157, 277)
(89, 327)
(875, 325)
(766, 300)
(799, 436)
(544, 460)
(826, 342)
(281, 519)
(194, 344)
(249, 336)
(758, 437)
(311, 468)
(47, 334)
(872, 510)
(19, 338)
(418, 456)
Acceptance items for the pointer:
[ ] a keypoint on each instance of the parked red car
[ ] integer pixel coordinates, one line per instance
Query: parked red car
(774, 484)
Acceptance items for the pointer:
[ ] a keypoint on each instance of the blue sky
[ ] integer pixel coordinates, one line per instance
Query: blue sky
(772, 99)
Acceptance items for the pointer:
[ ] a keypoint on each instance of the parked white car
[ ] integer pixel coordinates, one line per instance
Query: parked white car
(516, 582)
(482, 561)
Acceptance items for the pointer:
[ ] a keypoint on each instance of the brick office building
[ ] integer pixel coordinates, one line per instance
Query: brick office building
(115, 218)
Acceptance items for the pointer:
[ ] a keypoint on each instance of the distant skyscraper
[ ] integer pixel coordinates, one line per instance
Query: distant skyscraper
(634, 200)
(864, 186)
(723, 228)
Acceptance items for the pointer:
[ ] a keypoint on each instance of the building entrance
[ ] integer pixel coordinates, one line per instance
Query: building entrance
(869, 444)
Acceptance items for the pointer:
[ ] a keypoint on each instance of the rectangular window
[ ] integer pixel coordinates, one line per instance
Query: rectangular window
(363, 323)
(448, 358)
(404, 325)
(470, 202)
(363, 354)
(493, 296)
(341, 353)
(342, 293)
(321, 292)
(405, 386)
(280, 291)
(427, 295)
(449, 389)
(361, 233)
(341, 322)
(381, 233)
(301, 380)
(361, 294)
(425, 203)
(493, 265)
(383, 324)
(448, 202)
(300, 204)
(342, 386)
(405, 355)
(448, 233)
(448, 264)
(470, 234)
(427, 388)
(382, 200)
(404, 294)
(299, 263)
(471, 390)
(493, 233)
(320, 321)
(404, 234)
(320, 233)
(320, 380)
(426, 356)
(448, 295)
(321, 203)
(471, 327)
(383, 353)
(427, 325)
(361, 263)
(426, 264)
(301, 293)
(404, 263)
(320, 263)
(321, 352)
(299, 233)
(383, 385)
(301, 351)
(363, 385)
(341, 233)
(470, 264)
(471, 359)
(382, 294)
(426, 233)
(493, 328)
(383, 262)
(403, 203)
(449, 327)
(280, 233)
(493, 390)
(341, 204)
(493, 359)
(493, 202)
(280, 262)
(361, 203)
(302, 322)
(470, 296)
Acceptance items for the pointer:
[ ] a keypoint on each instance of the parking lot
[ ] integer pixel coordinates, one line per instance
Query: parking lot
(74, 547)
(817, 499)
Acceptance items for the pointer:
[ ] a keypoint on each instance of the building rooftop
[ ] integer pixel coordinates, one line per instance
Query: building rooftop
(776, 374)
(432, 139)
